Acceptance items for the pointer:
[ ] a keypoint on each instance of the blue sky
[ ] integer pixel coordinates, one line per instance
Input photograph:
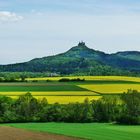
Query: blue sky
(37, 28)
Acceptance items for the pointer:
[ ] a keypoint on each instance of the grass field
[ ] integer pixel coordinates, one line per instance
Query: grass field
(30, 88)
(93, 131)
(65, 92)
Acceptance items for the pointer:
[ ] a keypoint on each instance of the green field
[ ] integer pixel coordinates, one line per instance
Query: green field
(93, 131)
(39, 87)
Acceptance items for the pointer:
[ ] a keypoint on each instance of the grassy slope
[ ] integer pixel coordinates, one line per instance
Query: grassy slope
(94, 131)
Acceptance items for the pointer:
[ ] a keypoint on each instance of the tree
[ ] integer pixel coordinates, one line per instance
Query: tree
(131, 108)
(5, 108)
(27, 107)
(52, 113)
(105, 109)
(87, 115)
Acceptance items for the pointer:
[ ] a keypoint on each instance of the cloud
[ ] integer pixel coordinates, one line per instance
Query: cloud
(6, 16)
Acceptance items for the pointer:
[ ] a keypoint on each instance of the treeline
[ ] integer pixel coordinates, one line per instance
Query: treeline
(90, 71)
(124, 109)
(71, 80)
(78, 68)
(21, 76)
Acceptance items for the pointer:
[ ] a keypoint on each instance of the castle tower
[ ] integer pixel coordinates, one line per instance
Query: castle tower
(81, 43)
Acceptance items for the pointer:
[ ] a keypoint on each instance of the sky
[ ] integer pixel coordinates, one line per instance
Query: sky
(37, 28)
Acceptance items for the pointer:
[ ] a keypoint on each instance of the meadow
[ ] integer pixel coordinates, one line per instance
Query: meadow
(93, 88)
(93, 131)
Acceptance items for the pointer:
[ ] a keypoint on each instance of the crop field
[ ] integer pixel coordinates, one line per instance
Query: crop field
(65, 99)
(59, 93)
(54, 92)
(30, 88)
(111, 88)
(93, 88)
(89, 78)
(92, 131)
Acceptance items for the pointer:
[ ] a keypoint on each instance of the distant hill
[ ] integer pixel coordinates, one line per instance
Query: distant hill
(81, 60)
(133, 55)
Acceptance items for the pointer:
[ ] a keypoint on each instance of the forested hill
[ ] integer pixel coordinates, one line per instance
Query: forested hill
(81, 60)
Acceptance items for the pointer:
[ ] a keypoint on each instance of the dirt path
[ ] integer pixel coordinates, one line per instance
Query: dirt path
(10, 133)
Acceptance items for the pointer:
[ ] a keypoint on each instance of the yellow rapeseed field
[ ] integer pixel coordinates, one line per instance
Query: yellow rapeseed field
(60, 97)
(65, 99)
(57, 93)
(111, 88)
(111, 78)
(94, 92)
